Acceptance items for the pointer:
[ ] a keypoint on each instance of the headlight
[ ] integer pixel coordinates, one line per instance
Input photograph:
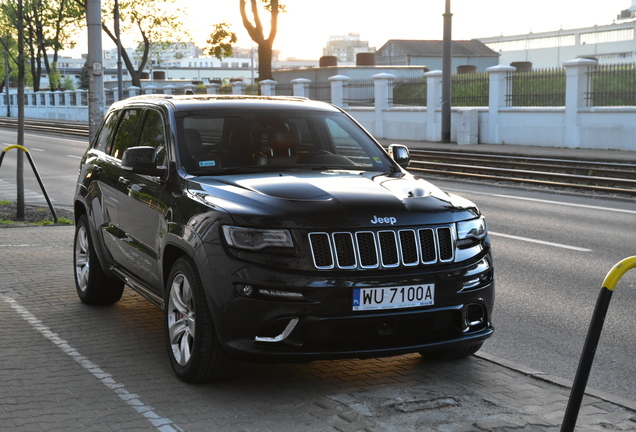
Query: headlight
(471, 232)
(254, 239)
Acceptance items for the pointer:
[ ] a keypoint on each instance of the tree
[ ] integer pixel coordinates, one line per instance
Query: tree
(256, 31)
(49, 26)
(155, 23)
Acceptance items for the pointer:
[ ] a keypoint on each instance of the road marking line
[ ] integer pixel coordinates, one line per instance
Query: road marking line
(545, 201)
(163, 424)
(540, 242)
(74, 157)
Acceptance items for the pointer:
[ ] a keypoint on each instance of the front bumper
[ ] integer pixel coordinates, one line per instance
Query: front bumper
(265, 315)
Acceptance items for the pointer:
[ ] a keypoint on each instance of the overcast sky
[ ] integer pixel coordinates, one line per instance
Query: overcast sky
(305, 29)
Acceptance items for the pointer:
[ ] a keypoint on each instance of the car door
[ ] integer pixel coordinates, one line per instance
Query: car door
(141, 214)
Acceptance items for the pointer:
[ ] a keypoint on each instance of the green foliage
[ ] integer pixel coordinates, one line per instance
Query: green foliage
(220, 42)
(68, 84)
(55, 77)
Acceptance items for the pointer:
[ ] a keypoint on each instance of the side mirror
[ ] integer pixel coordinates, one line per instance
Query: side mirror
(142, 160)
(400, 154)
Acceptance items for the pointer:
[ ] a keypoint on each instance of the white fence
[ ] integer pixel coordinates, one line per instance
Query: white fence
(573, 125)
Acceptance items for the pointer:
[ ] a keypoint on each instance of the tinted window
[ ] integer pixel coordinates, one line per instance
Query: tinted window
(213, 141)
(126, 132)
(104, 137)
(153, 134)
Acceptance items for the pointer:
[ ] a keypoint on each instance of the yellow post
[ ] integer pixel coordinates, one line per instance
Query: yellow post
(591, 342)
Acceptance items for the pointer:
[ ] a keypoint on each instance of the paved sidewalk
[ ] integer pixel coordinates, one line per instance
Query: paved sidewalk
(44, 387)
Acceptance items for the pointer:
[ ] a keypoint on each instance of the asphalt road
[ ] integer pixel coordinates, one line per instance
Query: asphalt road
(551, 252)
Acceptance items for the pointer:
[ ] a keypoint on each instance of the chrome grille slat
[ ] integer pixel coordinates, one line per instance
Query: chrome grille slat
(385, 248)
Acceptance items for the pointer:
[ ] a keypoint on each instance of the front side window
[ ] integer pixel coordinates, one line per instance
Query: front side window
(153, 134)
(104, 137)
(127, 132)
(215, 142)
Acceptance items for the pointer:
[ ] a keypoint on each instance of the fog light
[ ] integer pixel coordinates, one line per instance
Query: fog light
(244, 290)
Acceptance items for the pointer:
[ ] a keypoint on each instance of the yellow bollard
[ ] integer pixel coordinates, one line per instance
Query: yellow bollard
(591, 342)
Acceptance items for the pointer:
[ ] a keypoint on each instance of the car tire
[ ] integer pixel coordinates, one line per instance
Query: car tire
(93, 286)
(193, 347)
(451, 354)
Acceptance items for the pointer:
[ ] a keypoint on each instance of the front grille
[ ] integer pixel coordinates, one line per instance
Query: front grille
(382, 248)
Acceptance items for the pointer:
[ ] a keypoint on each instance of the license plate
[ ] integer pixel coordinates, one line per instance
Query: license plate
(393, 297)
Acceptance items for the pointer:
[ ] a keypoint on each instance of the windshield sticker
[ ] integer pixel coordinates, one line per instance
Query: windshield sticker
(207, 163)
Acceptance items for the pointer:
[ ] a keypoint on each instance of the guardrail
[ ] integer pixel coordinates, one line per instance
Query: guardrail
(591, 342)
(35, 171)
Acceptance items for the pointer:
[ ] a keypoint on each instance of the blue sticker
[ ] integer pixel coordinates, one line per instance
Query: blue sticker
(207, 163)
(356, 298)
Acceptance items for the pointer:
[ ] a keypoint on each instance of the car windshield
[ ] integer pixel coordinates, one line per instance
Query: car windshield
(217, 142)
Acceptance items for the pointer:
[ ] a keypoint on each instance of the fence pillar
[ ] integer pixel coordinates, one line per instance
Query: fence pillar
(339, 90)
(169, 89)
(383, 95)
(150, 89)
(576, 86)
(133, 91)
(498, 82)
(433, 104)
(238, 88)
(213, 89)
(268, 87)
(300, 87)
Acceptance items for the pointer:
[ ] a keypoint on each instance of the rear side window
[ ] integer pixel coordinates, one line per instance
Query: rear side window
(126, 132)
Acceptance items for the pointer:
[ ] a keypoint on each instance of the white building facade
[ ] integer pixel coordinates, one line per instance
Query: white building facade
(608, 44)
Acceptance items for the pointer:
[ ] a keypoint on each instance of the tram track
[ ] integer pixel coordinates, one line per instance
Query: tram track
(583, 175)
(607, 177)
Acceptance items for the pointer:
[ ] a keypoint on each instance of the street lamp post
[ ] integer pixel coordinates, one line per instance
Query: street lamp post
(120, 79)
(446, 74)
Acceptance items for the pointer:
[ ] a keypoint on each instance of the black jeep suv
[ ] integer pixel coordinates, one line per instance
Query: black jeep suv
(276, 229)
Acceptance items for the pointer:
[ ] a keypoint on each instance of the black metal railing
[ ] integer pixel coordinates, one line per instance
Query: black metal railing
(408, 92)
(545, 88)
(612, 85)
(470, 89)
(360, 93)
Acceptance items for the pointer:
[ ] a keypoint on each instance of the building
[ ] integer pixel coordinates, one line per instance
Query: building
(609, 44)
(346, 48)
(465, 53)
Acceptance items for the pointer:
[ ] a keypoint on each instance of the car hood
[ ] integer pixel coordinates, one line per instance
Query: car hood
(324, 198)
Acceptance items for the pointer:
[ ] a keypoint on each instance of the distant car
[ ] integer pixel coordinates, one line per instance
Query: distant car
(276, 229)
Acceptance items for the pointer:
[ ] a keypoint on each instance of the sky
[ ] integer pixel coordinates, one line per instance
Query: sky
(306, 26)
